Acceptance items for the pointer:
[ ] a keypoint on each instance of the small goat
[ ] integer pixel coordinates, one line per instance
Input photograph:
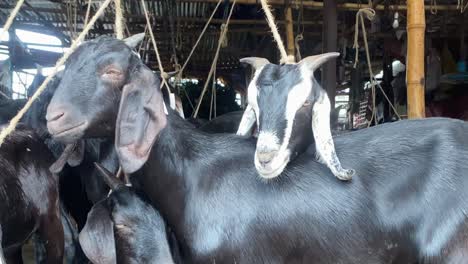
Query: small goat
(124, 228)
(29, 197)
(406, 206)
(275, 94)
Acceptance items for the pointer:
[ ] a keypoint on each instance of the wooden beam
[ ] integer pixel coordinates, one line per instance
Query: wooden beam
(415, 59)
(289, 31)
(320, 5)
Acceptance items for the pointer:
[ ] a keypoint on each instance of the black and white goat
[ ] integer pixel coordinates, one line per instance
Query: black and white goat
(407, 205)
(124, 228)
(275, 94)
(29, 198)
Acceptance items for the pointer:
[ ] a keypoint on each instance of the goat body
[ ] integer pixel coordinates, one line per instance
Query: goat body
(29, 197)
(407, 205)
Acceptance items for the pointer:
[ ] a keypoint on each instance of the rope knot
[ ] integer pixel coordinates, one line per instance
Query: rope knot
(164, 75)
(288, 60)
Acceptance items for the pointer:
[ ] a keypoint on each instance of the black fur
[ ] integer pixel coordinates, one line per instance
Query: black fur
(29, 197)
(408, 204)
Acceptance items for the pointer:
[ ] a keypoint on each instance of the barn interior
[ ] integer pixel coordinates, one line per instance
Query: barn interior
(44, 29)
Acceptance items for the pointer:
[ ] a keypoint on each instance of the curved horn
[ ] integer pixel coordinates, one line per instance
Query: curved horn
(255, 62)
(314, 62)
(134, 40)
(108, 177)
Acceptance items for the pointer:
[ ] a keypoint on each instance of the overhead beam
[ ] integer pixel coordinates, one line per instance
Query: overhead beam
(320, 5)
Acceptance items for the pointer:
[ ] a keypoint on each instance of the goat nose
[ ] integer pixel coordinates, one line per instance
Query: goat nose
(265, 157)
(54, 116)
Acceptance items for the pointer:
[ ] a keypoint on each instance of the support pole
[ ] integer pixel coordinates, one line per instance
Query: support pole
(415, 59)
(289, 30)
(330, 43)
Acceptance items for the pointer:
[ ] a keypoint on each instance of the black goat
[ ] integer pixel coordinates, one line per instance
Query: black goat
(29, 197)
(275, 94)
(124, 228)
(407, 205)
(9, 108)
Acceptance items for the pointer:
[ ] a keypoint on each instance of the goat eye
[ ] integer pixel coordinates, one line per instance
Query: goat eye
(113, 75)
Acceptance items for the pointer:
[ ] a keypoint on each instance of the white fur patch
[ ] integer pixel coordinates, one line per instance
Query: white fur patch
(247, 122)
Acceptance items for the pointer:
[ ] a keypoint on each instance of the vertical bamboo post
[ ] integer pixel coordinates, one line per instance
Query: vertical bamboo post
(330, 44)
(289, 31)
(415, 59)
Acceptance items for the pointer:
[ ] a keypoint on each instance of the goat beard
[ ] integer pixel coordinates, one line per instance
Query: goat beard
(73, 154)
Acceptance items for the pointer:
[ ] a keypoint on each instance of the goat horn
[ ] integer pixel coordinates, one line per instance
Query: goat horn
(134, 40)
(314, 62)
(255, 62)
(108, 177)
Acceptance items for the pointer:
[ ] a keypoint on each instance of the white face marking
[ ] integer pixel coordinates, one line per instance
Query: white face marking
(252, 92)
(296, 98)
(269, 142)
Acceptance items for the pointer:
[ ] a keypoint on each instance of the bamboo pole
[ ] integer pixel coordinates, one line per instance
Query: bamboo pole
(289, 31)
(415, 59)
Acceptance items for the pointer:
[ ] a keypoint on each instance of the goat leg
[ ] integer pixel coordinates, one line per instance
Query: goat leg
(324, 145)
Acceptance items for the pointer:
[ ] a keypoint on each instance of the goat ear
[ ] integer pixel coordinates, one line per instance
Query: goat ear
(73, 154)
(247, 122)
(77, 155)
(97, 237)
(134, 40)
(314, 62)
(255, 62)
(141, 117)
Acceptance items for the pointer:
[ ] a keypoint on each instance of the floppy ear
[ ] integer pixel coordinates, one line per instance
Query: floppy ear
(314, 62)
(247, 122)
(77, 155)
(141, 117)
(73, 154)
(97, 236)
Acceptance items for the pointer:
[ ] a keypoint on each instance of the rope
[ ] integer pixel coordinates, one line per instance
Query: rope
(271, 22)
(224, 29)
(87, 13)
(298, 38)
(462, 6)
(155, 46)
(199, 38)
(119, 28)
(370, 14)
(433, 7)
(11, 18)
(14, 121)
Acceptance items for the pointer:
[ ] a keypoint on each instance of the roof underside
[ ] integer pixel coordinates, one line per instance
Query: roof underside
(177, 25)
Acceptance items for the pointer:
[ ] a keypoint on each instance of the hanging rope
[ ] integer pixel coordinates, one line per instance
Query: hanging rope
(271, 22)
(224, 29)
(119, 28)
(462, 6)
(14, 121)
(370, 14)
(87, 13)
(164, 75)
(199, 38)
(11, 18)
(433, 7)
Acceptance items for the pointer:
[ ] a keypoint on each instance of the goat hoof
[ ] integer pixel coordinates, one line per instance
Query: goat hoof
(345, 175)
